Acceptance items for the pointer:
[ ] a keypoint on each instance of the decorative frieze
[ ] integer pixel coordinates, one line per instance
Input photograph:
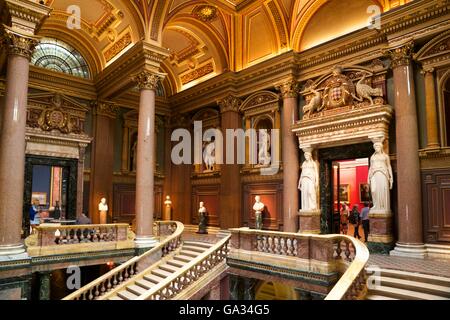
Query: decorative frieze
(106, 108)
(117, 47)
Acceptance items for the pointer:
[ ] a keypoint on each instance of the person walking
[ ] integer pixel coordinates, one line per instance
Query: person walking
(355, 221)
(364, 216)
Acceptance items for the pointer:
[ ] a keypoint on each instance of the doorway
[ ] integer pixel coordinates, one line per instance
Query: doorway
(50, 189)
(343, 179)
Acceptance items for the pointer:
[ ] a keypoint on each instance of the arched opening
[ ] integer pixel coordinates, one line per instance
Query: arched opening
(58, 56)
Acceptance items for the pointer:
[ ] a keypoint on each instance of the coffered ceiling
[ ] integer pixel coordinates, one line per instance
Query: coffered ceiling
(205, 37)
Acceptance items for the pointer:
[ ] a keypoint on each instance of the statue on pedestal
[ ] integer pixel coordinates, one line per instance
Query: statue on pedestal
(309, 182)
(209, 156)
(168, 209)
(103, 209)
(264, 157)
(259, 208)
(380, 179)
(202, 213)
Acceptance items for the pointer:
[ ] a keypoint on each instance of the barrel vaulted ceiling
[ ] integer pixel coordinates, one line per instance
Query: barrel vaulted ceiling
(205, 37)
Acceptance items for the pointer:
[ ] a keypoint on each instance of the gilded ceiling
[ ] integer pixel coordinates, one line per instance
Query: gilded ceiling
(205, 37)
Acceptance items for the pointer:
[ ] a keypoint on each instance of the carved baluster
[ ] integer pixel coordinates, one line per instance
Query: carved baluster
(91, 296)
(295, 252)
(347, 251)
(338, 249)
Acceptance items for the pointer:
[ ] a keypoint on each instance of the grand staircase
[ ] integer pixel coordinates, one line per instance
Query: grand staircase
(140, 285)
(389, 284)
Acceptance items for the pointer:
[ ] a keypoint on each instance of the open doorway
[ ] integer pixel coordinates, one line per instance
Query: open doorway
(350, 190)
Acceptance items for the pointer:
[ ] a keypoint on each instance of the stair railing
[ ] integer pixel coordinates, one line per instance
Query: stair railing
(169, 233)
(185, 276)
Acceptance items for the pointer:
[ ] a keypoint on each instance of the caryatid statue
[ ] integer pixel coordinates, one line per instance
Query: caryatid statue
(381, 179)
(309, 182)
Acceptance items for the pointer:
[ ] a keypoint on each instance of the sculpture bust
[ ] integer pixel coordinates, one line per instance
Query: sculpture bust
(309, 182)
(259, 208)
(103, 208)
(380, 179)
(202, 212)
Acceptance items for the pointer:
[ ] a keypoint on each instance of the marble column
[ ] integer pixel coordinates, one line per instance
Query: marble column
(410, 233)
(290, 154)
(12, 141)
(80, 178)
(44, 285)
(432, 121)
(230, 190)
(102, 162)
(145, 164)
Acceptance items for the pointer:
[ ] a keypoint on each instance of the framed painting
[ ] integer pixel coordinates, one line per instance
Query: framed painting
(364, 192)
(39, 196)
(344, 193)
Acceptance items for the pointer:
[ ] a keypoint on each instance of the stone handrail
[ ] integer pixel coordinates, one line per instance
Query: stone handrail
(122, 273)
(185, 276)
(341, 252)
(51, 239)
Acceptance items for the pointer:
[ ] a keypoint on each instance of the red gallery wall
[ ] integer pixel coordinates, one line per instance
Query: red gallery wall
(354, 177)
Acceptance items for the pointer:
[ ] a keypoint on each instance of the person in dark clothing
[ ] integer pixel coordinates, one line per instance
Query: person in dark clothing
(355, 221)
(365, 220)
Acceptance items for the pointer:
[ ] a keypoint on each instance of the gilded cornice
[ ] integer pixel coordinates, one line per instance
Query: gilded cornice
(26, 16)
(402, 55)
(230, 103)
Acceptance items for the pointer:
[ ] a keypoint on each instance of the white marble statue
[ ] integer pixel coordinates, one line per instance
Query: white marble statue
(264, 157)
(309, 183)
(259, 208)
(103, 208)
(380, 179)
(209, 156)
(202, 209)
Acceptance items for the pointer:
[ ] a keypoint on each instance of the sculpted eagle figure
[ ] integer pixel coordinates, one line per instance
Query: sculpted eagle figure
(314, 103)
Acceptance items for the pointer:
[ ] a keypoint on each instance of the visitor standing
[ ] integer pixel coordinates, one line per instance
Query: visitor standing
(365, 220)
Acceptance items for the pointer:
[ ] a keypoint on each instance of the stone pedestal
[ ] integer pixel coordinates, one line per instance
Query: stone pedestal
(309, 221)
(44, 285)
(380, 239)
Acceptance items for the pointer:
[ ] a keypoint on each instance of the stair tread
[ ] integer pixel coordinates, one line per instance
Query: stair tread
(189, 253)
(183, 258)
(193, 248)
(145, 283)
(153, 278)
(418, 284)
(115, 298)
(389, 291)
(176, 263)
(127, 295)
(409, 274)
(169, 268)
(198, 244)
(378, 297)
(161, 272)
(137, 290)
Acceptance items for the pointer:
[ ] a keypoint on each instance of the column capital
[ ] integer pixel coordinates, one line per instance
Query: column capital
(288, 88)
(427, 70)
(18, 44)
(148, 80)
(229, 103)
(105, 108)
(401, 55)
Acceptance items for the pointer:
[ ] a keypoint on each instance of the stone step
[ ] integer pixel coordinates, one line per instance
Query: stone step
(115, 298)
(137, 290)
(127, 295)
(193, 248)
(415, 286)
(198, 244)
(168, 268)
(145, 284)
(183, 258)
(403, 294)
(161, 273)
(188, 253)
(153, 278)
(414, 276)
(378, 297)
(176, 263)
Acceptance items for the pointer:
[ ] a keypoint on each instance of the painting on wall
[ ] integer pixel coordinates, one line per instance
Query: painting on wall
(344, 193)
(364, 192)
(39, 196)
